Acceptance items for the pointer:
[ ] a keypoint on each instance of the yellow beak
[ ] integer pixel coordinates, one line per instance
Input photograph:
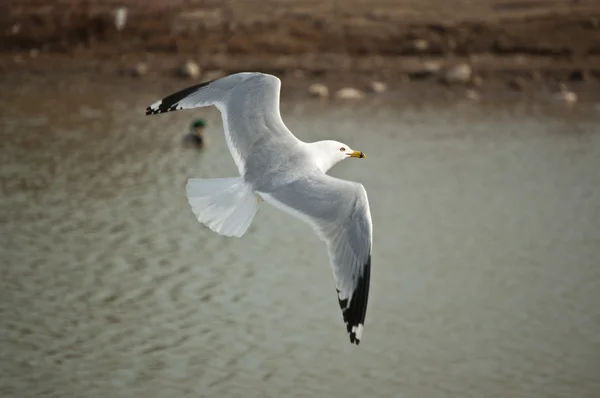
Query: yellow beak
(357, 154)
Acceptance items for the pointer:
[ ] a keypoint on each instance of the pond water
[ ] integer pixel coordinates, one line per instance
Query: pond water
(486, 255)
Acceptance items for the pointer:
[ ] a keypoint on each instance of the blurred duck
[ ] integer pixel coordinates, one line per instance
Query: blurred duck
(196, 135)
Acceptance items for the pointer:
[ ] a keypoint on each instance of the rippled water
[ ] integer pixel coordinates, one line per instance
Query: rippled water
(486, 262)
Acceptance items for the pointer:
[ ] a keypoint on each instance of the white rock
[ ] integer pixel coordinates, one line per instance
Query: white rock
(318, 90)
(349, 93)
(140, 69)
(190, 70)
(564, 95)
(472, 95)
(378, 87)
(120, 17)
(420, 44)
(431, 66)
(458, 74)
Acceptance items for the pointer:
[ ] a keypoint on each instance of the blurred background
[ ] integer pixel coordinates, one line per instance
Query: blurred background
(481, 124)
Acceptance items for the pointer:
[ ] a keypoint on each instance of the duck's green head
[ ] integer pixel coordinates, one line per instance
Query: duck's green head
(198, 124)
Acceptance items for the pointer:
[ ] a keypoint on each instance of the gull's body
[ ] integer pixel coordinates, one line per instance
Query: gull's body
(287, 173)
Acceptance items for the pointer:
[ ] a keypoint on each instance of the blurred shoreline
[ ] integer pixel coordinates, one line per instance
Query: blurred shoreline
(486, 47)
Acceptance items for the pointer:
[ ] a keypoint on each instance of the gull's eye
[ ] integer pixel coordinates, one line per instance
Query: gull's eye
(342, 149)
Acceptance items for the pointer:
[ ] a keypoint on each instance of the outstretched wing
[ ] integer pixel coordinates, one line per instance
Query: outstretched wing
(338, 211)
(249, 106)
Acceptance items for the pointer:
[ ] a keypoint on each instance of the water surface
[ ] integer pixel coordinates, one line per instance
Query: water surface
(485, 280)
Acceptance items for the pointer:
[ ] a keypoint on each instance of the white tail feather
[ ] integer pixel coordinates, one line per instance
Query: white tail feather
(225, 205)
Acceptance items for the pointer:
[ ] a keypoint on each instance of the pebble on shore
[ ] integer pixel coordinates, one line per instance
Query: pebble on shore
(318, 90)
(420, 45)
(431, 67)
(457, 74)
(565, 95)
(190, 70)
(349, 93)
(120, 18)
(139, 69)
(378, 87)
(472, 95)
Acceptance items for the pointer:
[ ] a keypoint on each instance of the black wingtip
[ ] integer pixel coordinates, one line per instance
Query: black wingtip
(354, 313)
(170, 103)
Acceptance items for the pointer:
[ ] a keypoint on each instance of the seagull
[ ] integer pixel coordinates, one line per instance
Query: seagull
(287, 173)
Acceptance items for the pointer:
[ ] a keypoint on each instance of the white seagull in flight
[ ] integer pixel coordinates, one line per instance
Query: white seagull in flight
(287, 173)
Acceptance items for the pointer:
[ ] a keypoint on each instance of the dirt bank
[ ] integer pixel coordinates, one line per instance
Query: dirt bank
(280, 27)
(513, 41)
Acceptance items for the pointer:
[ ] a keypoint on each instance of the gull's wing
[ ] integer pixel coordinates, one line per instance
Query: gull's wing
(338, 211)
(249, 106)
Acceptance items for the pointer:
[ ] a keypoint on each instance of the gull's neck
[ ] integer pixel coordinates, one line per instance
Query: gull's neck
(321, 156)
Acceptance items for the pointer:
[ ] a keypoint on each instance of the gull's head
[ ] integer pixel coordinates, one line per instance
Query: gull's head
(329, 153)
